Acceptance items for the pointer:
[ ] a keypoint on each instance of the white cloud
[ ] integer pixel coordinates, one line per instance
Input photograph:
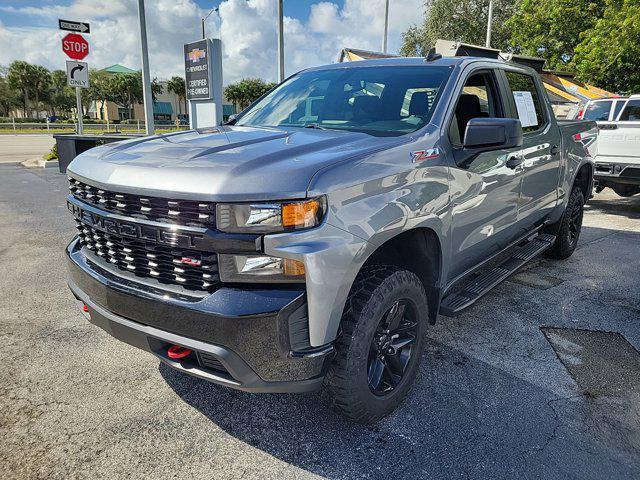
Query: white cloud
(247, 30)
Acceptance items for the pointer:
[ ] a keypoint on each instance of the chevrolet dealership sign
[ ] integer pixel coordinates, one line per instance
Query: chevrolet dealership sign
(197, 65)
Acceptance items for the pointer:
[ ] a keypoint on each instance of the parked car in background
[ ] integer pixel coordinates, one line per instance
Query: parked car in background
(618, 147)
(602, 110)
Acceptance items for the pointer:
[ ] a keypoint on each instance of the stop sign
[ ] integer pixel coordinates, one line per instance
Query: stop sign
(75, 46)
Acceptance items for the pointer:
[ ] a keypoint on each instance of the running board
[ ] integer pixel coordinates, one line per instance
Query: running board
(475, 288)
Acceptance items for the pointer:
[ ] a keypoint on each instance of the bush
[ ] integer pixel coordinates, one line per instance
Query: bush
(22, 120)
(53, 154)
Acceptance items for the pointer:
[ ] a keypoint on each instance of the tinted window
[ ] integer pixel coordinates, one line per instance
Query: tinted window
(527, 100)
(631, 112)
(617, 109)
(477, 100)
(380, 101)
(597, 111)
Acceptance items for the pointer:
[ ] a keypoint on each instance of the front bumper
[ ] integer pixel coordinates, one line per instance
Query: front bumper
(242, 338)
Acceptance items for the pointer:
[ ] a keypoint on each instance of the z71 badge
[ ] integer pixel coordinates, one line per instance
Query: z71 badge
(422, 155)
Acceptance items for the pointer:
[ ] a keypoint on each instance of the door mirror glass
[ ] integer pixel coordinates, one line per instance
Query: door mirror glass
(492, 134)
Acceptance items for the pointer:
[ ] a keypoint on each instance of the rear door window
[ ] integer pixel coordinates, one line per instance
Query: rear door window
(631, 111)
(527, 100)
(617, 109)
(597, 111)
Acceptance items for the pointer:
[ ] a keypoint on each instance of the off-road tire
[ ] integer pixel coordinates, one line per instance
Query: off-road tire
(566, 243)
(376, 289)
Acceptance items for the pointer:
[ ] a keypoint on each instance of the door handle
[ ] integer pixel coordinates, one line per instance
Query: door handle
(554, 150)
(513, 161)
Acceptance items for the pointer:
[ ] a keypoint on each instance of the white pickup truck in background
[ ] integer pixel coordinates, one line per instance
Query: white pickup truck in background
(618, 147)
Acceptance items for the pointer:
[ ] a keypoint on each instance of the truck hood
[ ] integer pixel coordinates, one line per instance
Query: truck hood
(223, 163)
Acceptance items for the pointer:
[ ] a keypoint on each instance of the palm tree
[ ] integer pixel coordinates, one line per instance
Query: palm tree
(177, 85)
(40, 83)
(21, 77)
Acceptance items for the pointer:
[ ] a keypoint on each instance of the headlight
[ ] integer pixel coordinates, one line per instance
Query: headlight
(258, 268)
(269, 217)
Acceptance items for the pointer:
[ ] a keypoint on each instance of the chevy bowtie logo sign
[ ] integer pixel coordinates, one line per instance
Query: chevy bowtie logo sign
(196, 68)
(196, 55)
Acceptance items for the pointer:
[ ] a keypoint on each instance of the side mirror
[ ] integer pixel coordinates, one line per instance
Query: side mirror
(487, 134)
(231, 120)
(493, 133)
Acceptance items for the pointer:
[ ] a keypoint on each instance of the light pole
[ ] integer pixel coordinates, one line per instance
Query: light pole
(204, 19)
(386, 26)
(487, 43)
(280, 42)
(146, 77)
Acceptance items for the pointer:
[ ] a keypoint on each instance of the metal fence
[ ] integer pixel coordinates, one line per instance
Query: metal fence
(54, 127)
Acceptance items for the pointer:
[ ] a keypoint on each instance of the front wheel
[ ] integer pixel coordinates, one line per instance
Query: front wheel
(568, 228)
(379, 348)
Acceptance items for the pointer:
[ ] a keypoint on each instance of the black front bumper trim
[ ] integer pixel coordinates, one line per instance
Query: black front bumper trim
(240, 377)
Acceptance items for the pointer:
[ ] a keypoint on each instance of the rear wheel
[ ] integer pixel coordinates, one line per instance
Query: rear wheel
(379, 348)
(568, 228)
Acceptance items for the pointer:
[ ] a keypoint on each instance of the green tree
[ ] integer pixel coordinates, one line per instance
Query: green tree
(40, 85)
(242, 93)
(608, 54)
(552, 29)
(460, 20)
(9, 97)
(21, 77)
(98, 91)
(61, 96)
(177, 86)
(125, 89)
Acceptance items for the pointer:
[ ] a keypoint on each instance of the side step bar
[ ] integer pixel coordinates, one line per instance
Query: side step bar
(475, 288)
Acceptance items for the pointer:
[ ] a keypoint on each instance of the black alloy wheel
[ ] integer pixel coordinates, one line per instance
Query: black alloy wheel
(575, 223)
(392, 348)
(380, 344)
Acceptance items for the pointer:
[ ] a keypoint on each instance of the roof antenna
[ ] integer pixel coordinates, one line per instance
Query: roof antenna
(432, 55)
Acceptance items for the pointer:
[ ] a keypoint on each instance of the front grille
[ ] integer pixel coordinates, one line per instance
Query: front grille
(179, 212)
(192, 269)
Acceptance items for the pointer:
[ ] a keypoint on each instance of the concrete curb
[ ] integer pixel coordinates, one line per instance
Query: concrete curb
(39, 163)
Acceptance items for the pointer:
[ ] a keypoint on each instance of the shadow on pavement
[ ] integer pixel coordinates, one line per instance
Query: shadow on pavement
(463, 419)
(625, 206)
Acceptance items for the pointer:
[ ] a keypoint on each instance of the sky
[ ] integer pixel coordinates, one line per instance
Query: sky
(315, 32)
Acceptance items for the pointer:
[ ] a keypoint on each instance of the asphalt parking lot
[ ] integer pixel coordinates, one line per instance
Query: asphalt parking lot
(526, 384)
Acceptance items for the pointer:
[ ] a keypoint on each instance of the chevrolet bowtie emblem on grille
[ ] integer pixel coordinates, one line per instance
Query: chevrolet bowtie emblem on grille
(191, 261)
(196, 55)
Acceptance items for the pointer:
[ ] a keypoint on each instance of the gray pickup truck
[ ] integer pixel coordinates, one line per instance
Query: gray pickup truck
(314, 240)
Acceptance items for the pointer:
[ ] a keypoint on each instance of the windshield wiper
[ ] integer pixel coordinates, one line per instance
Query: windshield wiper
(314, 125)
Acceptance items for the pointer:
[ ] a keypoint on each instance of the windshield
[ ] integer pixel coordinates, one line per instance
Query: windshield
(380, 101)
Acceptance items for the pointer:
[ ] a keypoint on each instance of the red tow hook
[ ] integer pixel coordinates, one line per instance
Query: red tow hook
(177, 352)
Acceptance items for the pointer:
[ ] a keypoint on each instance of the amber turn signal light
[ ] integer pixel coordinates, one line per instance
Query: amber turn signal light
(302, 214)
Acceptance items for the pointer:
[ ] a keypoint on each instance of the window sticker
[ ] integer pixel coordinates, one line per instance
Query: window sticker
(526, 108)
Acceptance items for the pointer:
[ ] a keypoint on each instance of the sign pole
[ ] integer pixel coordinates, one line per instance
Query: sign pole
(280, 43)
(146, 77)
(79, 107)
